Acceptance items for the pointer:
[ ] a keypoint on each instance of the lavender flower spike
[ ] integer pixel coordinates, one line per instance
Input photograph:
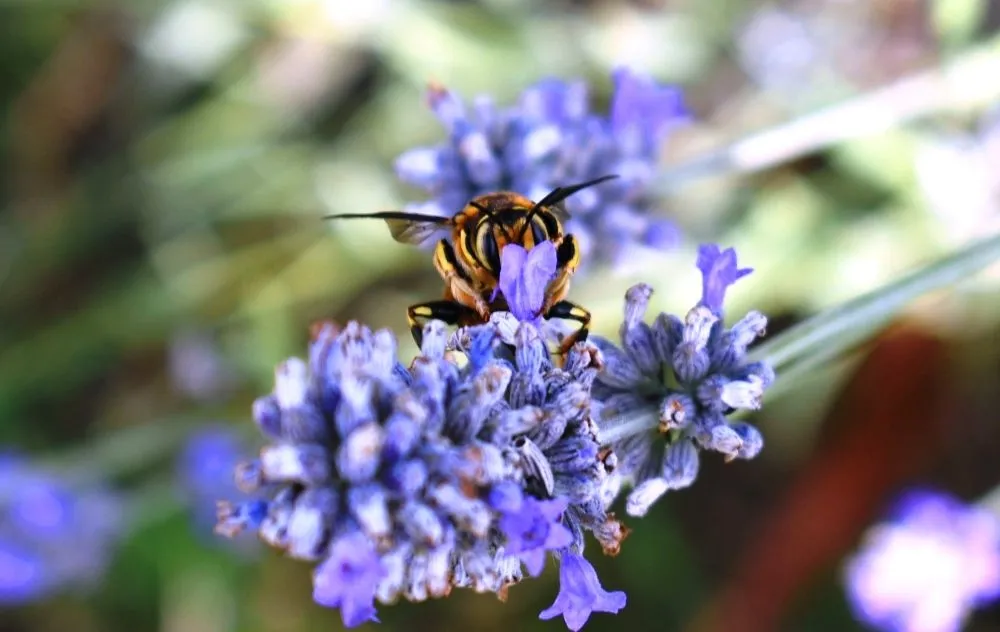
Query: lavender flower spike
(551, 138)
(927, 568)
(684, 377)
(411, 482)
(580, 594)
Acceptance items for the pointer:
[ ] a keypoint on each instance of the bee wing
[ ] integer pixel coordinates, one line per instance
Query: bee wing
(417, 233)
(407, 228)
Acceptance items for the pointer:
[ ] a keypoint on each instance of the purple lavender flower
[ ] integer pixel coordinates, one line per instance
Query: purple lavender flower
(531, 526)
(719, 271)
(927, 568)
(524, 276)
(580, 594)
(664, 394)
(551, 138)
(409, 482)
(348, 578)
(53, 535)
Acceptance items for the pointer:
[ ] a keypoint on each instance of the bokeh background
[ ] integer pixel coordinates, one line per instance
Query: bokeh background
(162, 248)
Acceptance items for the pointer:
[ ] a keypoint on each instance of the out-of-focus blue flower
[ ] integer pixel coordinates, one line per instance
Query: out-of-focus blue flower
(53, 535)
(666, 391)
(581, 593)
(524, 276)
(409, 482)
(928, 567)
(206, 463)
(205, 468)
(22, 574)
(550, 139)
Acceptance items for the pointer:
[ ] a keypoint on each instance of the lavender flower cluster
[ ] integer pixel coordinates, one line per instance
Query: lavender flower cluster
(549, 138)
(664, 395)
(53, 536)
(409, 482)
(483, 456)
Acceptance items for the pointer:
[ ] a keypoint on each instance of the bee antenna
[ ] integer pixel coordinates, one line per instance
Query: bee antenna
(493, 219)
(557, 195)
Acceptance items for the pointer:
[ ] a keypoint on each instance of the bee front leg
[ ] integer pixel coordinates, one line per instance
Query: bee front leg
(571, 311)
(450, 312)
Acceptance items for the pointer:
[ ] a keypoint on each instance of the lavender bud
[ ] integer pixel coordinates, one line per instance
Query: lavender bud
(642, 498)
(746, 395)
(536, 466)
(421, 523)
(753, 441)
(619, 369)
(680, 464)
(358, 457)
(307, 531)
(368, 505)
(303, 463)
(676, 412)
(267, 414)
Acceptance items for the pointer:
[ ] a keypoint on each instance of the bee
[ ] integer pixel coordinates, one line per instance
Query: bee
(470, 262)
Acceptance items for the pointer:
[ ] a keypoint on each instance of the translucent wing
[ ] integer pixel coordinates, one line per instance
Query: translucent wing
(407, 228)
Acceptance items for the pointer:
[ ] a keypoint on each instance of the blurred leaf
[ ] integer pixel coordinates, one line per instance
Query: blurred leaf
(956, 21)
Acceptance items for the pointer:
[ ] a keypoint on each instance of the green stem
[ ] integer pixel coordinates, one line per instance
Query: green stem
(833, 332)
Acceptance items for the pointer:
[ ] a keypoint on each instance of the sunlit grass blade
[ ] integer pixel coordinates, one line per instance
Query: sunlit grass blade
(971, 81)
(833, 332)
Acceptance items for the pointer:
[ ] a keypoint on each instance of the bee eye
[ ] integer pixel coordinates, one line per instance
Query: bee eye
(487, 247)
(538, 232)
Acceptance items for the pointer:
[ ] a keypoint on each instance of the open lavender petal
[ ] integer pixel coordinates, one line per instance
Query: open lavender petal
(409, 482)
(664, 394)
(551, 138)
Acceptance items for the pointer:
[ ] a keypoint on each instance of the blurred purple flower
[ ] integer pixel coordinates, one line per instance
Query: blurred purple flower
(205, 469)
(928, 567)
(581, 593)
(207, 460)
(54, 534)
(197, 367)
(524, 276)
(549, 139)
(22, 575)
(644, 112)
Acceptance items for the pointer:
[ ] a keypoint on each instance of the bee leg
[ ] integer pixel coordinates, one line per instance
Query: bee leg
(449, 312)
(456, 279)
(571, 311)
